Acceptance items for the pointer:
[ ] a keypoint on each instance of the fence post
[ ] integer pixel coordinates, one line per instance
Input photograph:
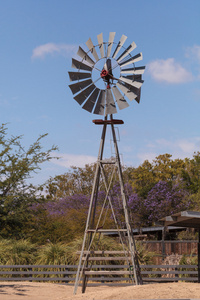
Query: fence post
(198, 255)
(176, 274)
(66, 275)
(163, 242)
(30, 275)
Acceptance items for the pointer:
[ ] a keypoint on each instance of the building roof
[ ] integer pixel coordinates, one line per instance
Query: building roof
(182, 219)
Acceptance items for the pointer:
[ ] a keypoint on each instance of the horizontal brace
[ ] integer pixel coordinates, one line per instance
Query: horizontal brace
(107, 273)
(106, 230)
(106, 258)
(108, 162)
(109, 122)
(103, 252)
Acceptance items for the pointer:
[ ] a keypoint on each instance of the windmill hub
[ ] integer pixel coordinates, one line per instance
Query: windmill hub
(107, 77)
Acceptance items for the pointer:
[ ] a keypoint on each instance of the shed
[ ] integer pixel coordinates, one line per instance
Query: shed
(189, 219)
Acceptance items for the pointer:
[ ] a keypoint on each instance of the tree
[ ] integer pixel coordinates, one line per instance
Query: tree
(163, 168)
(16, 194)
(191, 173)
(142, 178)
(76, 181)
(163, 200)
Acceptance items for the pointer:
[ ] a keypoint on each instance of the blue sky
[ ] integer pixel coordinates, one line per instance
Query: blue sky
(38, 40)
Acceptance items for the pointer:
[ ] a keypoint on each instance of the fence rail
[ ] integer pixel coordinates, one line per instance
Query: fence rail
(99, 273)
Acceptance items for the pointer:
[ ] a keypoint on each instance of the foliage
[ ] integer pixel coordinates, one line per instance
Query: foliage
(187, 234)
(52, 254)
(76, 181)
(145, 256)
(188, 260)
(64, 219)
(163, 168)
(154, 189)
(13, 252)
(191, 173)
(21, 252)
(162, 200)
(16, 194)
(59, 220)
(103, 243)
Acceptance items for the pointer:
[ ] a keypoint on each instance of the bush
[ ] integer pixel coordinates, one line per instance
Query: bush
(21, 252)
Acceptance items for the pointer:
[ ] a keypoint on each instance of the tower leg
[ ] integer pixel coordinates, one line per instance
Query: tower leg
(131, 241)
(91, 214)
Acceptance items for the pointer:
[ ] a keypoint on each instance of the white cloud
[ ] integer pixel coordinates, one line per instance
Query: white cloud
(51, 48)
(168, 71)
(186, 146)
(69, 160)
(150, 156)
(194, 53)
(180, 148)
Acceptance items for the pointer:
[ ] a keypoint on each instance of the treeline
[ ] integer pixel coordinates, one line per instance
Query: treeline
(57, 210)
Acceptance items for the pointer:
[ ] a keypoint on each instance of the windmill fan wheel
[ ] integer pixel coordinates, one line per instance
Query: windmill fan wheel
(102, 81)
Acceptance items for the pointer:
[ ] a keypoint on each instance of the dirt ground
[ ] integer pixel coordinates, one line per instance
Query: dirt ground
(53, 291)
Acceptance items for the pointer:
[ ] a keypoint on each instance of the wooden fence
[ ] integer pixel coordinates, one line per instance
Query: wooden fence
(162, 249)
(169, 247)
(101, 274)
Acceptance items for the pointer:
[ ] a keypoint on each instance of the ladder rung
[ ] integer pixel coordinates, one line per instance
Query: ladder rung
(106, 258)
(107, 230)
(104, 252)
(108, 272)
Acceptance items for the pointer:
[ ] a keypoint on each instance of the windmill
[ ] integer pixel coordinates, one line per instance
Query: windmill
(101, 84)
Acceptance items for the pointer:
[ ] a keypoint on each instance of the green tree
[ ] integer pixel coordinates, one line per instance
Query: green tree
(163, 168)
(76, 181)
(167, 169)
(191, 173)
(142, 178)
(16, 193)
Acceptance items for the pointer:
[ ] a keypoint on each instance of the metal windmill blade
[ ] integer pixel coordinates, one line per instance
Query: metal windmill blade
(132, 82)
(92, 49)
(121, 102)
(136, 70)
(100, 41)
(119, 45)
(77, 87)
(76, 64)
(85, 56)
(78, 76)
(89, 104)
(100, 105)
(131, 60)
(127, 51)
(110, 43)
(126, 90)
(96, 84)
